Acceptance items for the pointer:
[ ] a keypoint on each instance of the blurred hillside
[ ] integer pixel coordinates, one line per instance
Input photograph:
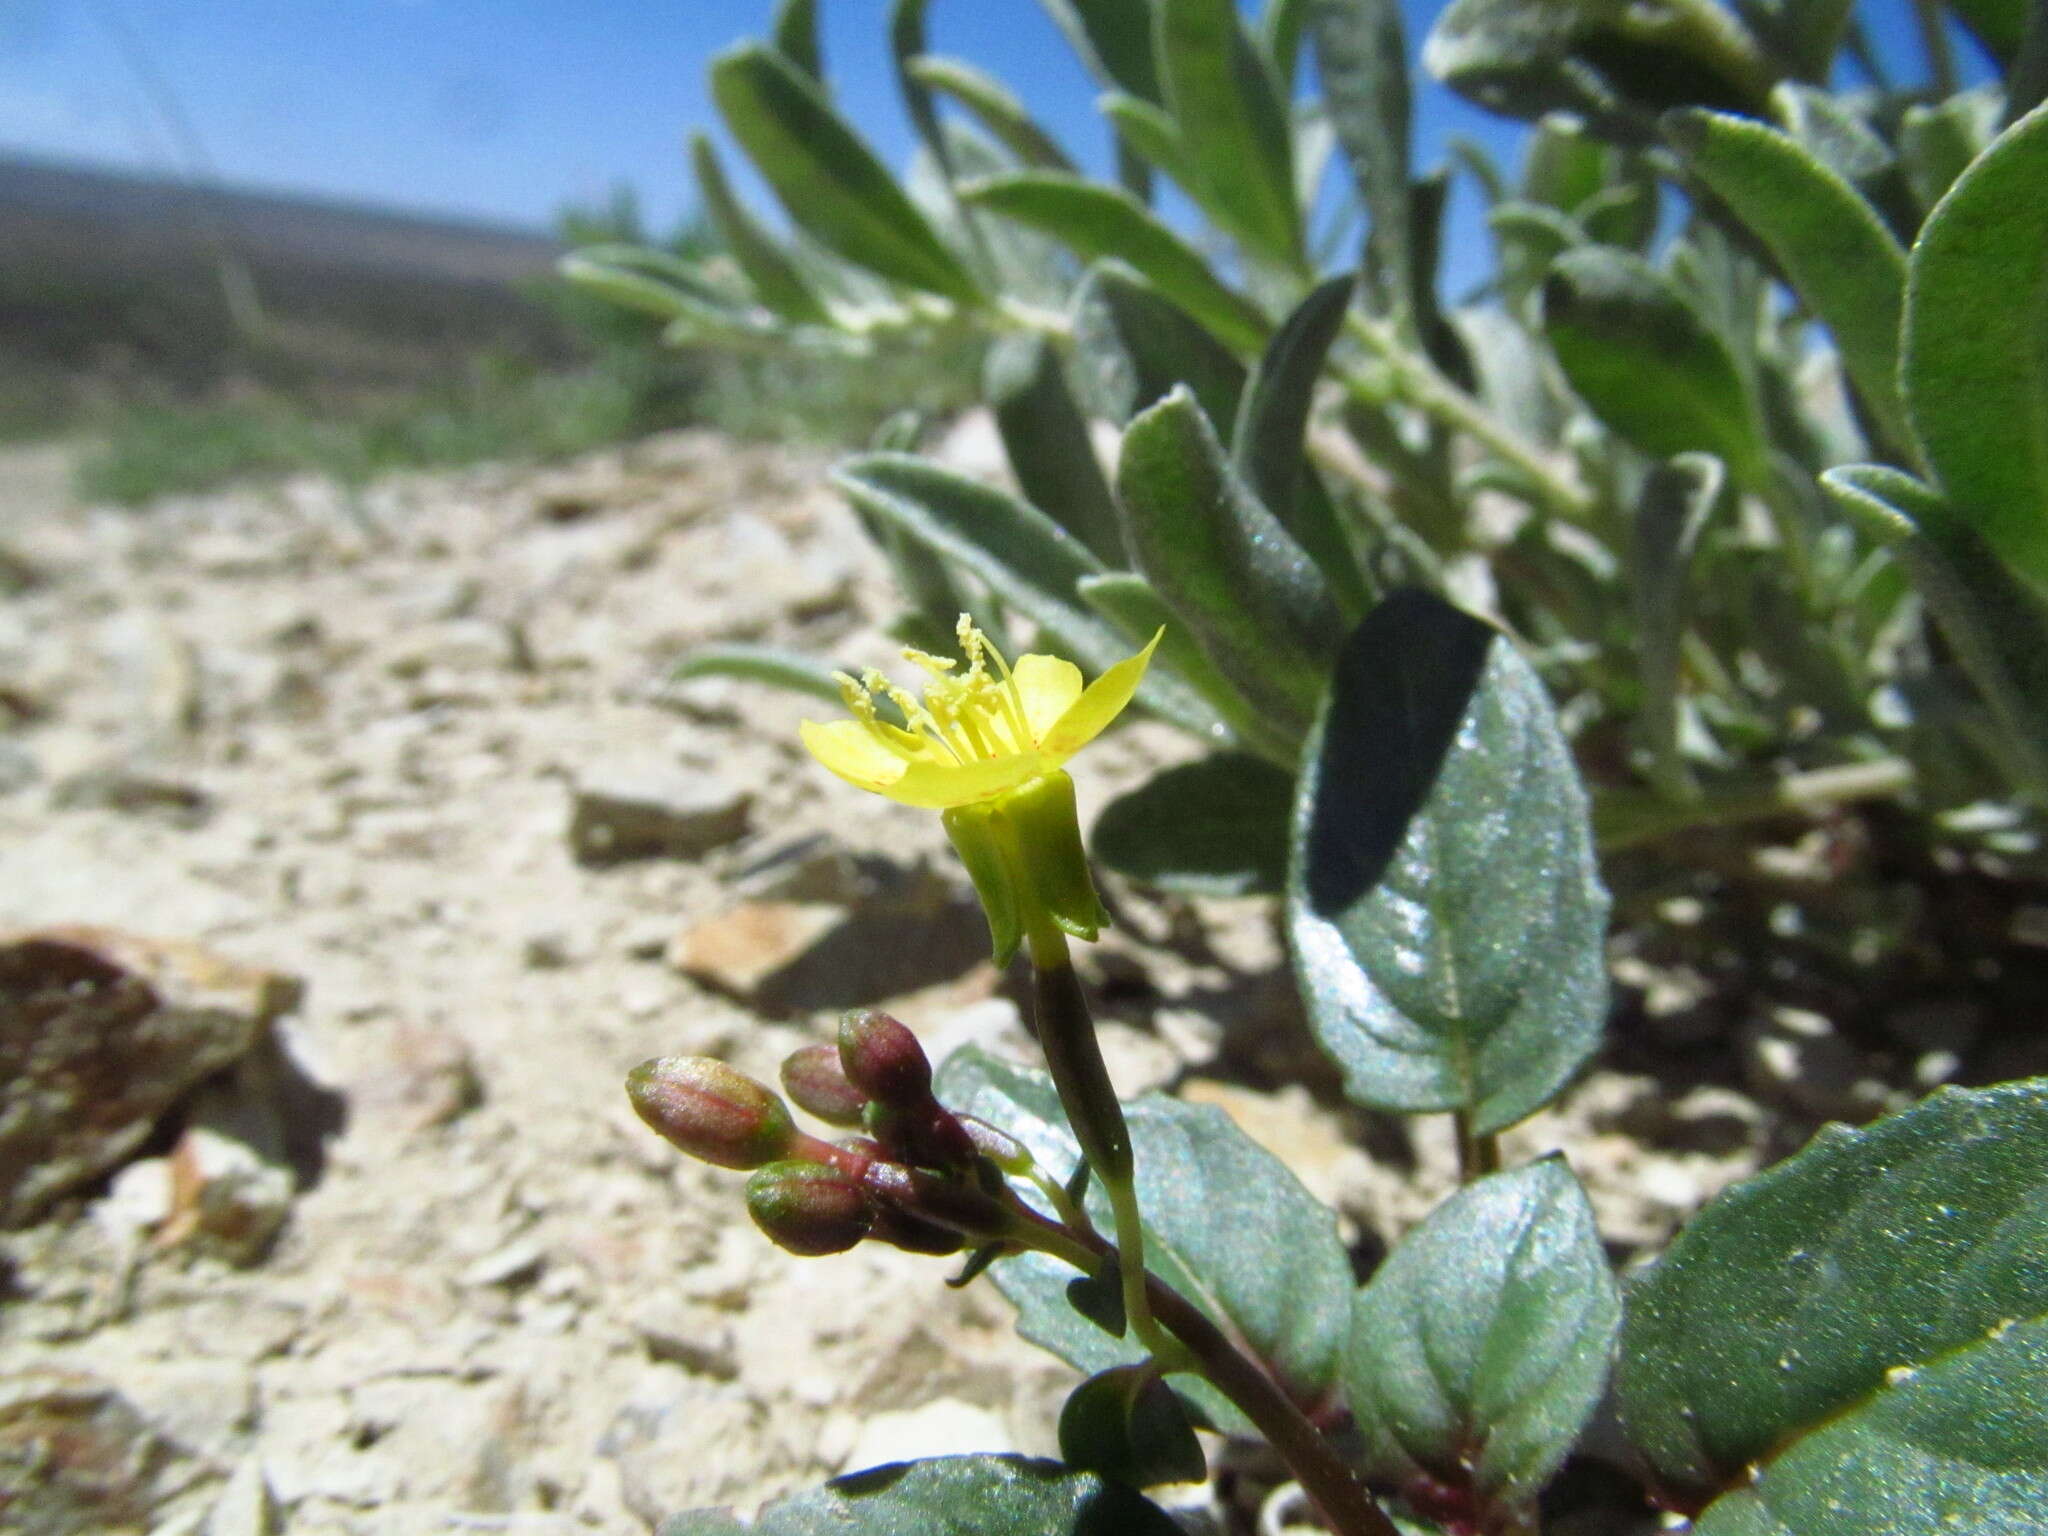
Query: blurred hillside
(112, 283)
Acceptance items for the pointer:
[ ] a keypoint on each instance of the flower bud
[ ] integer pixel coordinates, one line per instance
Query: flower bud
(883, 1059)
(710, 1111)
(815, 1080)
(809, 1209)
(899, 1229)
(926, 1134)
(953, 1204)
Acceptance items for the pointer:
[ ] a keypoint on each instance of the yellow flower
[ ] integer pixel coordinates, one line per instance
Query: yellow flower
(976, 735)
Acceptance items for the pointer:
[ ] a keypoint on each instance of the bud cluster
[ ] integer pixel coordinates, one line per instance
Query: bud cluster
(922, 1178)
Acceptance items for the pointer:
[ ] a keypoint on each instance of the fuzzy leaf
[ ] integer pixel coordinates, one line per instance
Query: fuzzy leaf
(795, 34)
(1233, 123)
(1481, 1346)
(1114, 38)
(1266, 442)
(1677, 498)
(1361, 59)
(1250, 595)
(949, 1496)
(830, 182)
(1000, 112)
(1446, 911)
(1100, 224)
(1857, 1339)
(1132, 345)
(1213, 710)
(1975, 364)
(775, 279)
(1047, 442)
(1648, 365)
(1826, 239)
(1217, 1207)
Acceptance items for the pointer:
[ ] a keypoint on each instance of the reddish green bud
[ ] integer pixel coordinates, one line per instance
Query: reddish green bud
(926, 1134)
(956, 1205)
(815, 1080)
(710, 1111)
(883, 1059)
(809, 1209)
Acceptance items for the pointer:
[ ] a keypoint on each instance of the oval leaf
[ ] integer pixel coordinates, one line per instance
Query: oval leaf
(1218, 1207)
(826, 177)
(949, 1496)
(1481, 1346)
(1825, 237)
(1126, 1424)
(1646, 363)
(1857, 1339)
(1447, 916)
(1213, 827)
(1047, 442)
(1975, 361)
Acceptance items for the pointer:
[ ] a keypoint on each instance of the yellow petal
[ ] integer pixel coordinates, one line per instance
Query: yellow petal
(854, 751)
(1048, 686)
(1103, 701)
(940, 786)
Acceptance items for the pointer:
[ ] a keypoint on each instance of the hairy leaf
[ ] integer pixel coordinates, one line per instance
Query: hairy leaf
(1647, 363)
(1251, 596)
(775, 279)
(1232, 121)
(1114, 38)
(1266, 442)
(949, 1496)
(1975, 364)
(1678, 497)
(1445, 907)
(1857, 1339)
(795, 34)
(1481, 1346)
(990, 101)
(1132, 345)
(1100, 224)
(1217, 712)
(1047, 442)
(1361, 58)
(1217, 1207)
(1828, 241)
(829, 181)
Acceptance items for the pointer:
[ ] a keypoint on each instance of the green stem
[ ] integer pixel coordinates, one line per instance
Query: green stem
(1478, 1151)
(1622, 819)
(1066, 1033)
(1422, 384)
(1323, 1474)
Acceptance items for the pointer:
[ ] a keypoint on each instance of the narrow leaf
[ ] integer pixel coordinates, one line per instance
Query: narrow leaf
(949, 1496)
(1114, 39)
(1646, 363)
(1250, 594)
(1975, 364)
(1148, 129)
(1099, 224)
(1213, 827)
(1217, 1208)
(760, 664)
(1444, 903)
(795, 33)
(1362, 61)
(1481, 1346)
(1132, 346)
(1827, 240)
(1857, 1339)
(1047, 442)
(829, 181)
(768, 269)
(1208, 706)
(1936, 144)
(1267, 447)
(1233, 121)
(1001, 113)
(1677, 498)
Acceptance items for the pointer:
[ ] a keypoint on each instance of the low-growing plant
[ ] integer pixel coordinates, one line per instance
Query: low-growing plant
(1741, 456)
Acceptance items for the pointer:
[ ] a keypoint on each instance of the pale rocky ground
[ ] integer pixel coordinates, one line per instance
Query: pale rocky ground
(339, 739)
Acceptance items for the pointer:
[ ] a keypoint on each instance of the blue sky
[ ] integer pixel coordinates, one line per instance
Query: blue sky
(501, 109)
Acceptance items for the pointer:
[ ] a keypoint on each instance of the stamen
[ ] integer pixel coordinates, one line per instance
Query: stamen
(1013, 699)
